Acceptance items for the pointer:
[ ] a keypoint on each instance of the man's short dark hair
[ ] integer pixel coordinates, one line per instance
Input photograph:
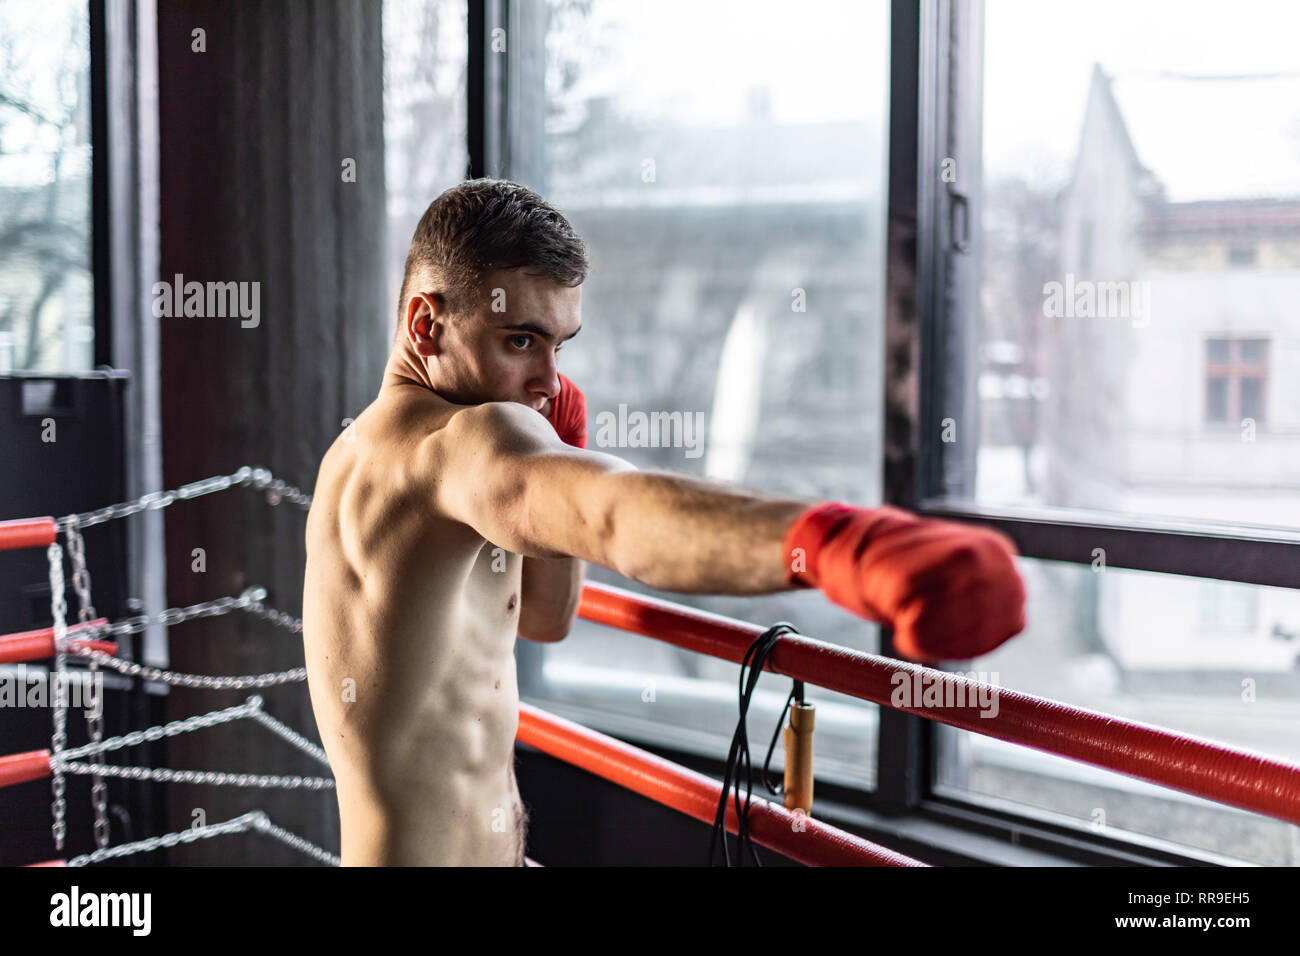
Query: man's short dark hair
(482, 225)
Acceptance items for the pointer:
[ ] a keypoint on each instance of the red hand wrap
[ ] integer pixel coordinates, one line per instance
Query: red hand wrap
(569, 414)
(949, 590)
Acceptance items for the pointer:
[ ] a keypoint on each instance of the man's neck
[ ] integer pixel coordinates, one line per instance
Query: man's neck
(403, 370)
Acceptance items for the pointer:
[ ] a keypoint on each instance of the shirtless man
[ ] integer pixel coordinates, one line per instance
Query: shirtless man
(456, 512)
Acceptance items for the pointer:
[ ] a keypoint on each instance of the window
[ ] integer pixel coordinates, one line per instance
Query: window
(1236, 372)
(425, 61)
(1241, 255)
(46, 285)
(1193, 655)
(1105, 233)
(732, 199)
(1106, 228)
(1229, 607)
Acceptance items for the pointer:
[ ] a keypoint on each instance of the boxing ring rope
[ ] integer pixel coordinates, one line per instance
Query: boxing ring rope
(1194, 765)
(36, 764)
(796, 835)
(253, 820)
(80, 640)
(1200, 767)
(39, 644)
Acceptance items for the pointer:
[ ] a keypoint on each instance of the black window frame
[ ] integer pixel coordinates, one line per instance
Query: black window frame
(101, 269)
(947, 124)
(932, 274)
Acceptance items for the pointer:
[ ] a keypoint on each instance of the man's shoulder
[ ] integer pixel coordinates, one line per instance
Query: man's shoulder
(470, 432)
(370, 446)
(380, 465)
(412, 443)
(392, 422)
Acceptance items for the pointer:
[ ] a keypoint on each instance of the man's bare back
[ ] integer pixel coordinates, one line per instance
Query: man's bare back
(409, 624)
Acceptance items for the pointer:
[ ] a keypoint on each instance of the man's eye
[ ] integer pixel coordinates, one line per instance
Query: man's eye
(526, 339)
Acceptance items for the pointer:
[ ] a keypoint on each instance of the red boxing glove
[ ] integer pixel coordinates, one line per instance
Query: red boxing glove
(949, 590)
(569, 414)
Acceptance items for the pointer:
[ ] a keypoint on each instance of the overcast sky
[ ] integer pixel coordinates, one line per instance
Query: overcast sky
(1039, 56)
(693, 60)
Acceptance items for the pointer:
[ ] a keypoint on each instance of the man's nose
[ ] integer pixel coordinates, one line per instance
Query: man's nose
(547, 378)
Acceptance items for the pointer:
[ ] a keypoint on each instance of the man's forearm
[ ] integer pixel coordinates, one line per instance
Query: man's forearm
(551, 589)
(684, 534)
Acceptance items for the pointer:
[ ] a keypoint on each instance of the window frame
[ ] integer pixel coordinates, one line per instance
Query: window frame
(947, 283)
(1232, 372)
(932, 270)
(948, 111)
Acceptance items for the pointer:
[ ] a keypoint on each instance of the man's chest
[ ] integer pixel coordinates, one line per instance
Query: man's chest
(493, 590)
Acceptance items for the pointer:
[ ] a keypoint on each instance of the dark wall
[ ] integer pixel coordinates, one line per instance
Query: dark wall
(254, 132)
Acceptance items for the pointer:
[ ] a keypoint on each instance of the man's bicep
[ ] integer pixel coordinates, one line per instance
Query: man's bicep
(568, 503)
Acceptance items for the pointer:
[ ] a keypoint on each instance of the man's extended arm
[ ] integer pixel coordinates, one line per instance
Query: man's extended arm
(950, 591)
(506, 474)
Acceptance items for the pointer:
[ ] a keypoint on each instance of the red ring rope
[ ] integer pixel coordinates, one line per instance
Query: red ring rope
(799, 837)
(1194, 765)
(39, 644)
(27, 533)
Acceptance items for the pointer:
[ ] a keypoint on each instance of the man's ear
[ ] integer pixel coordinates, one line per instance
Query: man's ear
(424, 314)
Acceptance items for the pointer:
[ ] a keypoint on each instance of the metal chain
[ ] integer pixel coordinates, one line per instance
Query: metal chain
(277, 490)
(287, 621)
(58, 742)
(255, 819)
(260, 478)
(250, 600)
(237, 825)
(95, 717)
(250, 708)
(210, 719)
(71, 525)
(206, 777)
(80, 575)
(290, 676)
(292, 736)
(264, 824)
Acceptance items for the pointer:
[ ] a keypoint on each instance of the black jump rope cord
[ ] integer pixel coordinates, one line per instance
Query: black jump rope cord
(755, 660)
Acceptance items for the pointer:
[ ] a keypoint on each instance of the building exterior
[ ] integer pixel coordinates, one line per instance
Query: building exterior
(1173, 348)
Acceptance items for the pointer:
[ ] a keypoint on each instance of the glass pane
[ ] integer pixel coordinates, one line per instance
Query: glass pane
(731, 196)
(1242, 255)
(1253, 351)
(1216, 399)
(1212, 659)
(1114, 228)
(46, 282)
(1227, 606)
(1252, 391)
(425, 61)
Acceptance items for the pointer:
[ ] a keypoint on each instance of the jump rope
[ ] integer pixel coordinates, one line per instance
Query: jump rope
(755, 661)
